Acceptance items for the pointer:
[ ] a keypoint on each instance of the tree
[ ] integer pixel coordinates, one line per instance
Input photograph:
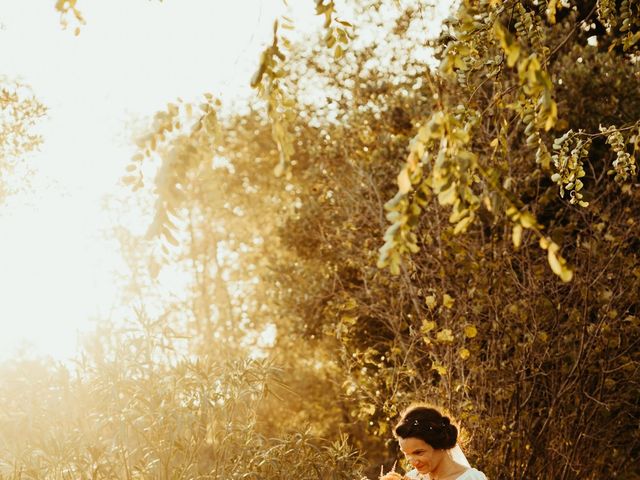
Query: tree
(513, 135)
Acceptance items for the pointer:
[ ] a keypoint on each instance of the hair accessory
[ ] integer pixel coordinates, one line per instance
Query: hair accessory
(416, 423)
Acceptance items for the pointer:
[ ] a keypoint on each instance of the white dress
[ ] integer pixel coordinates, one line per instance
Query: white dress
(470, 474)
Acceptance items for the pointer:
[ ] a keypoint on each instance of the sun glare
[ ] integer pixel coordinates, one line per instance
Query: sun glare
(57, 266)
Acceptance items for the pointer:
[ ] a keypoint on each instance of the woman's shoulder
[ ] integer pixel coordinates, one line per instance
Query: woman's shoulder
(472, 474)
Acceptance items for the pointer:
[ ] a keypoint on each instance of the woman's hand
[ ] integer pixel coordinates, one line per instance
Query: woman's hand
(392, 476)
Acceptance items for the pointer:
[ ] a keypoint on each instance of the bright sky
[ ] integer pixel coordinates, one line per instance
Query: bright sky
(130, 59)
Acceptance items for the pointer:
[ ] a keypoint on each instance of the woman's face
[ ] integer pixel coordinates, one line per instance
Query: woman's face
(422, 456)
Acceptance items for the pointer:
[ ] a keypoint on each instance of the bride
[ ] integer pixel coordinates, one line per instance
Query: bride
(428, 441)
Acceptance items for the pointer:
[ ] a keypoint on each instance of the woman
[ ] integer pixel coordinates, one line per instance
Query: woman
(429, 442)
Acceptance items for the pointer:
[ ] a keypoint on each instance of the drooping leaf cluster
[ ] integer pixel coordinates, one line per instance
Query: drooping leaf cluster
(500, 63)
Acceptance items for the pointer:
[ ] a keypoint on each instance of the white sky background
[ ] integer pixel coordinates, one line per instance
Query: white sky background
(131, 58)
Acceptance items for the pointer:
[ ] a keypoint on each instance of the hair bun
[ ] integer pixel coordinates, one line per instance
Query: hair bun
(429, 425)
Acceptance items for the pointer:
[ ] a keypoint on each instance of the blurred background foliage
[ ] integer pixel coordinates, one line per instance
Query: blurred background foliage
(294, 347)
(20, 112)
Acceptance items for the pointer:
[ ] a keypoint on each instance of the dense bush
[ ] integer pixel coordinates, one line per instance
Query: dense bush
(135, 409)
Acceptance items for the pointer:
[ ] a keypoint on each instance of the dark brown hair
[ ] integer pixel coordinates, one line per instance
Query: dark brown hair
(429, 425)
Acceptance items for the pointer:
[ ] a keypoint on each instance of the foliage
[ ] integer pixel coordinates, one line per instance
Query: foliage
(134, 408)
(20, 111)
(451, 156)
(473, 320)
(541, 374)
(69, 10)
(525, 137)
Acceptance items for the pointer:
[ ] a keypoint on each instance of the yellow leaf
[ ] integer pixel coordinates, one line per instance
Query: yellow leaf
(458, 62)
(554, 262)
(427, 326)
(551, 11)
(440, 369)
(350, 304)
(382, 428)
(349, 319)
(423, 134)
(470, 331)
(517, 235)
(445, 335)
(552, 117)
(464, 354)
(449, 196)
(447, 300)
(129, 180)
(566, 275)
(508, 43)
(557, 263)
(486, 200)
(543, 157)
(404, 182)
(544, 243)
(279, 169)
(457, 215)
(430, 301)
(369, 409)
(414, 156)
(527, 220)
(512, 54)
(462, 225)
(446, 65)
